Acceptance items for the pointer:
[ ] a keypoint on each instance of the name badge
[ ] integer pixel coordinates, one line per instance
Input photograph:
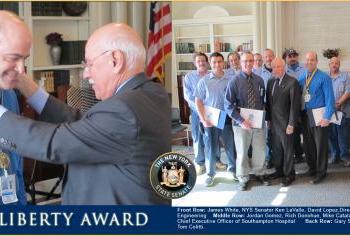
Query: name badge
(8, 189)
(307, 97)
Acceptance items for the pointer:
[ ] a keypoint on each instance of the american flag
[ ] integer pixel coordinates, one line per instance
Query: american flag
(159, 38)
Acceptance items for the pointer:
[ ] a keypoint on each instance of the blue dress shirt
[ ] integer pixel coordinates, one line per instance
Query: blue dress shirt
(296, 72)
(321, 91)
(230, 73)
(265, 75)
(190, 84)
(237, 95)
(341, 86)
(211, 90)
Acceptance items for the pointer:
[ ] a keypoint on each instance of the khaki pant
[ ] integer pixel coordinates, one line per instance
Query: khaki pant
(243, 139)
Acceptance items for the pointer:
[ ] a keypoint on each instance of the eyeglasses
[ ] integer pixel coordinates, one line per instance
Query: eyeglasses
(14, 58)
(87, 65)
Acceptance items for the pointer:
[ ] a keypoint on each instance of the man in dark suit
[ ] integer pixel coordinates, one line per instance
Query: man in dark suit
(109, 149)
(283, 105)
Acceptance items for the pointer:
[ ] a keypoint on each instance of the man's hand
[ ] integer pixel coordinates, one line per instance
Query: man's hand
(26, 85)
(246, 124)
(268, 124)
(289, 130)
(207, 123)
(324, 123)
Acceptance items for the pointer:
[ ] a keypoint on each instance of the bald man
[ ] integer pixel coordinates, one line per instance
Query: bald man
(109, 149)
(317, 92)
(15, 43)
(282, 111)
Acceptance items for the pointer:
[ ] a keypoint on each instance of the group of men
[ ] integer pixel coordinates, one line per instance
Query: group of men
(290, 98)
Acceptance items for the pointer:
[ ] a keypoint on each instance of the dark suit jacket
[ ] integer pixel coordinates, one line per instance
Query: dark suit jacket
(282, 107)
(109, 149)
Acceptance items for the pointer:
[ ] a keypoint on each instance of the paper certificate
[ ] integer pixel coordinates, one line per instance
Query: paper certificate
(318, 116)
(215, 116)
(256, 117)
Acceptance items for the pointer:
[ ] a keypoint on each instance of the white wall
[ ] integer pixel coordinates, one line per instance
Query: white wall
(318, 26)
(136, 14)
(186, 10)
(303, 25)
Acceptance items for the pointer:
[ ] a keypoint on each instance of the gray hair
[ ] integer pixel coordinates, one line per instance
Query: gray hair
(135, 54)
(134, 51)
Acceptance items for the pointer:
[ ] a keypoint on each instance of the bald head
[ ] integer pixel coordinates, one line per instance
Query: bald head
(278, 67)
(13, 28)
(114, 53)
(15, 43)
(311, 61)
(119, 37)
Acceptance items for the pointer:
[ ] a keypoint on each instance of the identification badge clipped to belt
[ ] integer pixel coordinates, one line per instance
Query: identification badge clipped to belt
(307, 97)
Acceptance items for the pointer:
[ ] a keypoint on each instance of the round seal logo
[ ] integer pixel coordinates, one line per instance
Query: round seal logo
(172, 175)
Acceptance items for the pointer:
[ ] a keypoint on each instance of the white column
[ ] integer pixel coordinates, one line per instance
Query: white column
(262, 25)
(288, 25)
(99, 14)
(270, 25)
(278, 29)
(119, 11)
(136, 18)
(256, 27)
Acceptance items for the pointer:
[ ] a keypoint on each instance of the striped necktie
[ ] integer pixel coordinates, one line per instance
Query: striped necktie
(251, 93)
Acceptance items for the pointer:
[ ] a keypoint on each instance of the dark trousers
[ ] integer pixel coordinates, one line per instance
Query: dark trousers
(316, 147)
(283, 151)
(269, 149)
(298, 149)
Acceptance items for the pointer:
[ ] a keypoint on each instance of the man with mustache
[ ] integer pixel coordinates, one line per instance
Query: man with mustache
(339, 133)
